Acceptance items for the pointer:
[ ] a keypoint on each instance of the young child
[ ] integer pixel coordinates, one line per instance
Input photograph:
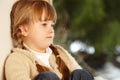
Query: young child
(34, 56)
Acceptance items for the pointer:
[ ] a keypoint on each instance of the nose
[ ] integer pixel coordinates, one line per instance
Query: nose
(51, 29)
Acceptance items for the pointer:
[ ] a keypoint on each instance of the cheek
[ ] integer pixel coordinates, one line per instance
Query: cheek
(53, 35)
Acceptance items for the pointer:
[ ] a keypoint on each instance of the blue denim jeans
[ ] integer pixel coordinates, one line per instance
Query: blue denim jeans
(78, 74)
(81, 74)
(47, 76)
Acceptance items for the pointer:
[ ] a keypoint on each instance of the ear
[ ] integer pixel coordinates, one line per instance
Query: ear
(24, 30)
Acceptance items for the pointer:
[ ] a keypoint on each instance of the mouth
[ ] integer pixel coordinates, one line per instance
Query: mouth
(50, 37)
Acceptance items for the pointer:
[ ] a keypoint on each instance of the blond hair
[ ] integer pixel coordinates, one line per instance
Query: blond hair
(26, 11)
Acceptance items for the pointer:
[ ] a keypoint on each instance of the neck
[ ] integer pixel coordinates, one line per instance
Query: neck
(41, 50)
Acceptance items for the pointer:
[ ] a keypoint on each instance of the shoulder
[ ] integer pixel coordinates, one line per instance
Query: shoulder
(18, 56)
(16, 53)
(60, 49)
(63, 52)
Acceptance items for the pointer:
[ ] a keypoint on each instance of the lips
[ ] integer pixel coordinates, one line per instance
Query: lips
(49, 36)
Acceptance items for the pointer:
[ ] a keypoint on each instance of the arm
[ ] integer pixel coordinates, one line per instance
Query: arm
(68, 59)
(16, 68)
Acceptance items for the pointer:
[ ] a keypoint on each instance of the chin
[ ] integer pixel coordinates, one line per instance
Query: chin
(48, 45)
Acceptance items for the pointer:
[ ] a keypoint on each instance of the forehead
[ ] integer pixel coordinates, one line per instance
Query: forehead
(44, 13)
(44, 16)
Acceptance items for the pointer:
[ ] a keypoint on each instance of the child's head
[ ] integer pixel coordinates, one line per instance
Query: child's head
(26, 12)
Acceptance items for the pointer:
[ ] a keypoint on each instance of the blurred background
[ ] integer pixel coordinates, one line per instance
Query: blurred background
(90, 31)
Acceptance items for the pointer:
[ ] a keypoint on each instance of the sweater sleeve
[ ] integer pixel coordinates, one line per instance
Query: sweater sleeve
(68, 59)
(16, 68)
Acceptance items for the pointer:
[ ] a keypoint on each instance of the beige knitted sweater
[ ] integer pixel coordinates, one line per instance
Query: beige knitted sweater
(21, 64)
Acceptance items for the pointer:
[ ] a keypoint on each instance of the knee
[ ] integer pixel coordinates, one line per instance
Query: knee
(83, 73)
(47, 76)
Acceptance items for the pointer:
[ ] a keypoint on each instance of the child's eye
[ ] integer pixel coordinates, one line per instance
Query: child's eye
(44, 24)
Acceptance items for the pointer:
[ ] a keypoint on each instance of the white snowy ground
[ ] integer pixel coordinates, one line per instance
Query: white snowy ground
(110, 72)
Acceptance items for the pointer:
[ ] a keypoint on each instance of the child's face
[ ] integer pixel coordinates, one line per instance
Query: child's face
(39, 35)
